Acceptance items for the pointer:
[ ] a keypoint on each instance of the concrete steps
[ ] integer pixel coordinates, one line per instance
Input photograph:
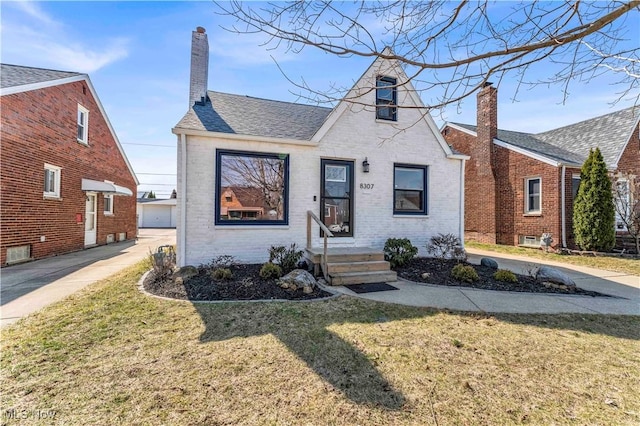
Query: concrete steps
(354, 265)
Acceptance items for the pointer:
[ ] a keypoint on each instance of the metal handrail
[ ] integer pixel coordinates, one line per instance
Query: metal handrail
(327, 233)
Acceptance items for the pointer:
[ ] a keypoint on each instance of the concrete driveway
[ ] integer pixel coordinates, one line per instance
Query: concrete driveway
(28, 287)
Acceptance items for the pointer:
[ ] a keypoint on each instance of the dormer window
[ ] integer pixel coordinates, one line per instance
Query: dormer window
(83, 125)
(386, 99)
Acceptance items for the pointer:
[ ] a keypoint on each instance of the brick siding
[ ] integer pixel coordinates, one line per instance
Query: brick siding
(508, 204)
(39, 127)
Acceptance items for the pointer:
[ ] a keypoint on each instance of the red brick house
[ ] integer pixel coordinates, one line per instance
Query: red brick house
(65, 182)
(242, 203)
(521, 185)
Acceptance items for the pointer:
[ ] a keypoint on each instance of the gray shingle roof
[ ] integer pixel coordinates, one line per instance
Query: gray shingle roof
(571, 144)
(245, 115)
(17, 75)
(608, 132)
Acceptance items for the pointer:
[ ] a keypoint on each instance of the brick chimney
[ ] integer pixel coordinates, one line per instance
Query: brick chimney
(487, 123)
(484, 152)
(199, 66)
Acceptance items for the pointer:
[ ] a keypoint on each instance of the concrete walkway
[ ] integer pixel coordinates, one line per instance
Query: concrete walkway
(28, 287)
(625, 287)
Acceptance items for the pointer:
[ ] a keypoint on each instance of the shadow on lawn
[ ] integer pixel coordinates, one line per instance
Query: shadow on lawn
(302, 327)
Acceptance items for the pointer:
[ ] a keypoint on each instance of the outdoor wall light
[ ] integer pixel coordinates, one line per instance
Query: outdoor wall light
(365, 165)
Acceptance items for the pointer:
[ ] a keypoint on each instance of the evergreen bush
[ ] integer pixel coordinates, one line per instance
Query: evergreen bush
(593, 209)
(398, 251)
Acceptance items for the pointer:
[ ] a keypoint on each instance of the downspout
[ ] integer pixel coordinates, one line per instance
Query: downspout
(563, 224)
(461, 201)
(182, 243)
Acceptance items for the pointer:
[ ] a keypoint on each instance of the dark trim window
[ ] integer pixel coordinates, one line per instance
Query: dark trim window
(386, 99)
(410, 189)
(533, 195)
(252, 188)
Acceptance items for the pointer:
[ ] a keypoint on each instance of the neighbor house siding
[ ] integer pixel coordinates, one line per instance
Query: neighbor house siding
(39, 127)
(630, 158)
(479, 209)
(512, 221)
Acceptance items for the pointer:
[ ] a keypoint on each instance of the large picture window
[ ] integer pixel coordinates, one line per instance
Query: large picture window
(386, 99)
(532, 195)
(251, 188)
(410, 189)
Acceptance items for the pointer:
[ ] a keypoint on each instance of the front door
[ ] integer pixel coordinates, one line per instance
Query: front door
(90, 220)
(336, 199)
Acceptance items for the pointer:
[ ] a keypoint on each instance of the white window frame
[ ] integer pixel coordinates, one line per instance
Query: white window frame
(527, 195)
(56, 181)
(83, 112)
(109, 211)
(620, 225)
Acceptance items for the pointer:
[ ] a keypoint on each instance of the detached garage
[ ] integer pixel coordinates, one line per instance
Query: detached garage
(154, 213)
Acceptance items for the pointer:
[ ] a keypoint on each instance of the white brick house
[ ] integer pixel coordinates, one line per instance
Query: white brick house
(412, 186)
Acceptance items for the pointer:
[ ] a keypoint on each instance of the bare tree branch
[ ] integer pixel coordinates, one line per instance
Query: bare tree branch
(457, 47)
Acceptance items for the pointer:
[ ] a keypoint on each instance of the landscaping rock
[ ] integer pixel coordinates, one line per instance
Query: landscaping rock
(425, 275)
(547, 274)
(185, 272)
(489, 262)
(298, 279)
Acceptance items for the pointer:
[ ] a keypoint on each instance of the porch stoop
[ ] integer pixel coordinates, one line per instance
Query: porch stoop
(353, 265)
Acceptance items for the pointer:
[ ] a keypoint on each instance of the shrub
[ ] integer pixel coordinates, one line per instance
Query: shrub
(287, 258)
(221, 274)
(398, 251)
(464, 273)
(163, 261)
(224, 261)
(446, 246)
(593, 208)
(270, 270)
(505, 276)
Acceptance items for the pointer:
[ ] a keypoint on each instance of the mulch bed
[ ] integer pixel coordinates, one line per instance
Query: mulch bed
(246, 284)
(440, 273)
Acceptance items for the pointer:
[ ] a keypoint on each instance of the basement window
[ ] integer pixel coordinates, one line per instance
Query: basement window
(18, 254)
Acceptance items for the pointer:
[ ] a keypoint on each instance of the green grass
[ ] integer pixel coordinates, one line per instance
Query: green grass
(608, 263)
(111, 355)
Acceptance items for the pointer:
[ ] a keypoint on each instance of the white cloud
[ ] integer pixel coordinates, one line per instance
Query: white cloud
(33, 9)
(40, 40)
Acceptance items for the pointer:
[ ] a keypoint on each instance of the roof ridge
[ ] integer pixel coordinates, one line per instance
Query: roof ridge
(588, 119)
(43, 69)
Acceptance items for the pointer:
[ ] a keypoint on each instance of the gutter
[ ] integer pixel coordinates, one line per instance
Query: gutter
(243, 138)
(461, 201)
(563, 223)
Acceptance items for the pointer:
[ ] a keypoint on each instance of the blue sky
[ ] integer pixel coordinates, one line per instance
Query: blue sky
(137, 55)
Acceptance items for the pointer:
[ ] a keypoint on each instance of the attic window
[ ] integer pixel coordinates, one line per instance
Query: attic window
(386, 99)
(83, 125)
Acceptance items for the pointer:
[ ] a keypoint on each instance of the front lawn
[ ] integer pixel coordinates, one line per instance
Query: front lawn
(111, 355)
(608, 263)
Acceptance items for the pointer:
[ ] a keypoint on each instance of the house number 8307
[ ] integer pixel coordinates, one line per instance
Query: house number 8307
(366, 186)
